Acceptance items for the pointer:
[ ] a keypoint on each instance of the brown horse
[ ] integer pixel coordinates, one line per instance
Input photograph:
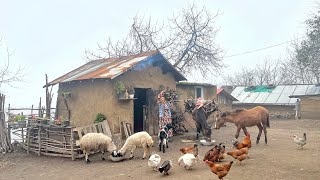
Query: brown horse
(242, 118)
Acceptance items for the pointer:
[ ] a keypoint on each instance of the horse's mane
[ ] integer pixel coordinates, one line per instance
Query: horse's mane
(236, 111)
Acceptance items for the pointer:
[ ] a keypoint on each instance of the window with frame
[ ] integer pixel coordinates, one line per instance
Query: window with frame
(198, 91)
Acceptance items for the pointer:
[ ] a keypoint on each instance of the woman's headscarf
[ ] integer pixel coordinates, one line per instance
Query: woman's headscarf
(161, 95)
(200, 102)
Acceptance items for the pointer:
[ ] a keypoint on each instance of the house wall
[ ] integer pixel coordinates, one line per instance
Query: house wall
(90, 97)
(310, 107)
(224, 103)
(275, 111)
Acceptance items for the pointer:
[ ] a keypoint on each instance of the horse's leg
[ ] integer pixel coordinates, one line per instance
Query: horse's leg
(260, 131)
(265, 133)
(198, 130)
(238, 131)
(244, 130)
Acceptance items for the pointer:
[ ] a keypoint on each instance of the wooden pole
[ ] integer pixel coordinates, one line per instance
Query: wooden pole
(32, 110)
(39, 139)
(72, 148)
(39, 113)
(28, 140)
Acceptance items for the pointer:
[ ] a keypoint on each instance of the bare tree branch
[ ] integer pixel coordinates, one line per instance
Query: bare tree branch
(7, 75)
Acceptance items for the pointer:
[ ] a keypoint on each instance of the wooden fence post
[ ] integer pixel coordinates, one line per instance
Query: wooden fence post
(39, 140)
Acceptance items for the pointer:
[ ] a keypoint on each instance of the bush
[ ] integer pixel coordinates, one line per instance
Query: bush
(100, 118)
(20, 118)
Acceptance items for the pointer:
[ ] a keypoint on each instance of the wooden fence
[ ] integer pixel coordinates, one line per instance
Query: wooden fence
(54, 140)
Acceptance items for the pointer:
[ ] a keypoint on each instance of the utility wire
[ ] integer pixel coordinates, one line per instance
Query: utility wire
(268, 47)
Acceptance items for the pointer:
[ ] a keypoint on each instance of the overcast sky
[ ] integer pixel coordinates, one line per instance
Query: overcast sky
(51, 36)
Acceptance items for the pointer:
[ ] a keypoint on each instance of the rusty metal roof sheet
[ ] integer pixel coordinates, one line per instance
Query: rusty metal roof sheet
(111, 68)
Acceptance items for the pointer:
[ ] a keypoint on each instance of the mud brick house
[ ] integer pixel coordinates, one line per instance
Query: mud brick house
(90, 89)
(224, 100)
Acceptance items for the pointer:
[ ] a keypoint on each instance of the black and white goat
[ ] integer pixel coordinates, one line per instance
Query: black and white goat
(163, 137)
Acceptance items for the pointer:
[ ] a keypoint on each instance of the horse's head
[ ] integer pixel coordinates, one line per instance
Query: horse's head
(189, 105)
(210, 107)
(221, 119)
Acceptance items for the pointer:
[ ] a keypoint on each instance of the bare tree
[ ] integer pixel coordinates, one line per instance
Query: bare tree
(143, 36)
(7, 74)
(187, 41)
(269, 72)
(195, 47)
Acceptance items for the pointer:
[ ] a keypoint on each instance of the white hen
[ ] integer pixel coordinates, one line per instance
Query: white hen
(154, 162)
(300, 141)
(188, 160)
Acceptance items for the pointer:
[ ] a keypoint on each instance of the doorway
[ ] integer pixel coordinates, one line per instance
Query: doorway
(139, 104)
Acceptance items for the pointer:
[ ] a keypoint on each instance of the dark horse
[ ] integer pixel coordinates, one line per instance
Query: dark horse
(201, 115)
(242, 118)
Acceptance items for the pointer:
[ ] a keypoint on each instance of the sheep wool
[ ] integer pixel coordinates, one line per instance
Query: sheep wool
(137, 140)
(96, 142)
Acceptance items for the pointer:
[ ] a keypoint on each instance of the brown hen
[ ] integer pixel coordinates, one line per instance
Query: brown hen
(221, 170)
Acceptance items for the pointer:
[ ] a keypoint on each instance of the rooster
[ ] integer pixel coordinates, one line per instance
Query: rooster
(300, 141)
(221, 170)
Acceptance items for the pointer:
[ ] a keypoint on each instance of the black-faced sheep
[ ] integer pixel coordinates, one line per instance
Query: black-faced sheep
(96, 142)
(137, 140)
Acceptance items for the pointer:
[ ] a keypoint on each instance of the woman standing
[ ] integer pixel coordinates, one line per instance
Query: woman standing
(164, 114)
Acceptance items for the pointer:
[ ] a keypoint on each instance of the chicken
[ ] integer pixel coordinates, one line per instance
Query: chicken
(222, 153)
(221, 170)
(188, 160)
(212, 155)
(245, 151)
(241, 158)
(165, 167)
(240, 155)
(154, 162)
(246, 140)
(300, 141)
(192, 149)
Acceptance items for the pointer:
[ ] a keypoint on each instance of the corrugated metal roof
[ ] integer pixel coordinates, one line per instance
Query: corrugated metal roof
(279, 95)
(111, 68)
(223, 91)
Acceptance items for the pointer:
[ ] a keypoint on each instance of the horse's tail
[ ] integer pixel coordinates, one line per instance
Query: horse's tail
(268, 122)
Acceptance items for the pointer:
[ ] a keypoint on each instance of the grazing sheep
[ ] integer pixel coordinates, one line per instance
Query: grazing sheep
(96, 142)
(137, 140)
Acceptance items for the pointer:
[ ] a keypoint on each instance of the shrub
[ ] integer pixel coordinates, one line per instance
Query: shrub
(100, 117)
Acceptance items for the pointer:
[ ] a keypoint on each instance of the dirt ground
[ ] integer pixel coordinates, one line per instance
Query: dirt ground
(280, 159)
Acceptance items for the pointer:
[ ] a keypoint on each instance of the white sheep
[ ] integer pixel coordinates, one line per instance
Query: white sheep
(96, 142)
(137, 140)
